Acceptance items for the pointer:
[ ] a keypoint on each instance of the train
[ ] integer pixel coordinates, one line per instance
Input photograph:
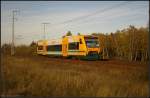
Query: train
(78, 46)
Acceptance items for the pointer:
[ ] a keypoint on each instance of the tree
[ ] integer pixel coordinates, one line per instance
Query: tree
(6, 48)
(33, 43)
(69, 33)
(130, 43)
(79, 34)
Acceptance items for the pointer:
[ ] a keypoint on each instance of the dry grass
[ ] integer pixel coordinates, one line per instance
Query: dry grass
(38, 77)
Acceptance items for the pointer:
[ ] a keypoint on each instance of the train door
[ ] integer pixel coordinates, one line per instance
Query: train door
(45, 48)
(82, 46)
(65, 46)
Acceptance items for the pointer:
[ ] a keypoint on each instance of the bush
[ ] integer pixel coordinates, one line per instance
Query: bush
(25, 50)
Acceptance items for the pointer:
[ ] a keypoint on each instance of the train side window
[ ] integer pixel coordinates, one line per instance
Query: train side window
(80, 41)
(58, 47)
(54, 48)
(74, 46)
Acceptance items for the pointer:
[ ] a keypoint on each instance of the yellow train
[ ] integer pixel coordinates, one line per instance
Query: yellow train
(81, 46)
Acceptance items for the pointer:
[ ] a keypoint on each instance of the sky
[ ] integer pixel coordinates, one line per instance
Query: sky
(83, 17)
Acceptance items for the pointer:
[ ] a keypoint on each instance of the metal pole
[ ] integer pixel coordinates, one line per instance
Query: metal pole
(44, 29)
(12, 46)
(13, 32)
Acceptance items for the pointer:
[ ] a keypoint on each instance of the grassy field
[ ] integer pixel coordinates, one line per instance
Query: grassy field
(43, 76)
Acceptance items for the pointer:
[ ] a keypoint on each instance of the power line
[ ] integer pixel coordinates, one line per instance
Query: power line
(94, 13)
(78, 25)
(86, 21)
(106, 9)
(91, 14)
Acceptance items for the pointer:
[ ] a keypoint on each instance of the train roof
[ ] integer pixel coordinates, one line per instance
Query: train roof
(59, 39)
(82, 35)
(42, 40)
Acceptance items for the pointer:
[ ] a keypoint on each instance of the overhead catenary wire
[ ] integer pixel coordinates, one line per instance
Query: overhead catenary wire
(94, 13)
(90, 14)
(75, 26)
(91, 23)
(82, 18)
(88, 22)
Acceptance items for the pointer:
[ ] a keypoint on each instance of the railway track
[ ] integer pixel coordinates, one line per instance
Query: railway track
(111, 63)
(97, 63)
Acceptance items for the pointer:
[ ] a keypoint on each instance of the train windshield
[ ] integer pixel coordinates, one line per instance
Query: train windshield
(92, 42)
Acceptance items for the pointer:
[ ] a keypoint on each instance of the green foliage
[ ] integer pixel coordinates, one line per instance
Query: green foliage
(69, 33)
(79, 34)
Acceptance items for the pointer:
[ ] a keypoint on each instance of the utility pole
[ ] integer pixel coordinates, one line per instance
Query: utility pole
(44, 29)
(13, 31)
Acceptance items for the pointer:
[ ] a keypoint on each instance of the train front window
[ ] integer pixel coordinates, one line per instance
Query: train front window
(92, 42)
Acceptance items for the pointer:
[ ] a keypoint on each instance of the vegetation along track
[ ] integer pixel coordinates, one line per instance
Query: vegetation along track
(47, 76)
